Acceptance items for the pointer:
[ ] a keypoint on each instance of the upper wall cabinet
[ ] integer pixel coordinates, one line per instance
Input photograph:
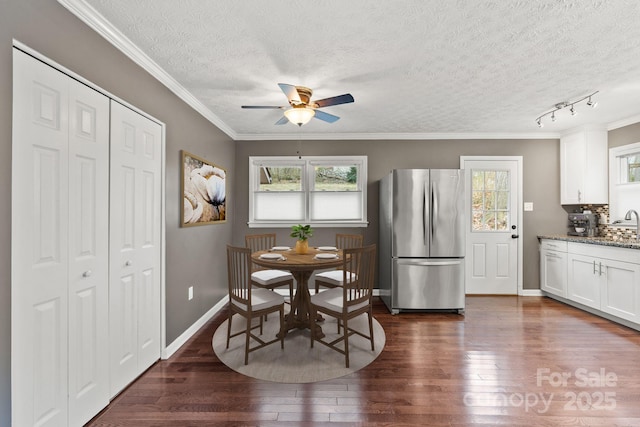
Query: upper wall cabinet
(583, 168)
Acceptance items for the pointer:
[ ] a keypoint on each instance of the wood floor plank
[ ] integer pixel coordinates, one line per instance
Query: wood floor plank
(500, 364)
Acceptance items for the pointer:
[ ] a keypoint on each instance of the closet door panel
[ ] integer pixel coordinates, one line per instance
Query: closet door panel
(39, 244)
(135, 233)
(88, 253)
(123, 299)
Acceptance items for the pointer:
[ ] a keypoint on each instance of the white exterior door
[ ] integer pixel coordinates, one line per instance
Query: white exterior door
(59, 247)
(135, 261)
(492, 205)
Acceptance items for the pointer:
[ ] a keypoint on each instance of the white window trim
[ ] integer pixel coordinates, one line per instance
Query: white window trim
(617, 186)
(307, 163)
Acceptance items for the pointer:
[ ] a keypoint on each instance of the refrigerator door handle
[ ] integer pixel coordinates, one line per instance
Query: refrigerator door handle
(434, 209)
(424, 215)
(428, 263)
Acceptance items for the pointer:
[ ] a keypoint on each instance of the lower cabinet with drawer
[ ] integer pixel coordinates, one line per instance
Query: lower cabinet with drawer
(603, 278)
(553, 267)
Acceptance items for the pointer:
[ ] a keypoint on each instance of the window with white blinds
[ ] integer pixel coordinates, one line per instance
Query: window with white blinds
(321, 191)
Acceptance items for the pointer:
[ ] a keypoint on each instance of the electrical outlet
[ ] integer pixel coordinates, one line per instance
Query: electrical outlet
(528, 206)
(190, 293)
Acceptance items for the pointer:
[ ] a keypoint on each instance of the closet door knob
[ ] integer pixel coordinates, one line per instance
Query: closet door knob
(129, 263)
(87, 273)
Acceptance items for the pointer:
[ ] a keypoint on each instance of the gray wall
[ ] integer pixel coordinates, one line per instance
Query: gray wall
(541, 172)
(196, 255)
(625, 135)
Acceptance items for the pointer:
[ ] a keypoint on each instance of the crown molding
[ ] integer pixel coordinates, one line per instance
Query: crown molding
(394, 136)
(624, 122)
(87, 14)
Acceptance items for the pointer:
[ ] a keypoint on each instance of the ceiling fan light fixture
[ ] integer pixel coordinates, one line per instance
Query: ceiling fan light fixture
(299, 116)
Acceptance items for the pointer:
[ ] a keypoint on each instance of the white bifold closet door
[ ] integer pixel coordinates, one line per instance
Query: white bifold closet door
(60, 196)
(135, 251)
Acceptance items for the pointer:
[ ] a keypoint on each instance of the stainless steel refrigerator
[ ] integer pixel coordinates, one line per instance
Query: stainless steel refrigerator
(422, 240)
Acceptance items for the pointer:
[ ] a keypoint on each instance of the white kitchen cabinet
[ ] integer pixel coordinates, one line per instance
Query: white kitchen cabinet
(620, 289)
(583, 168)
(553, 267)
(605, 278)
(583, 281)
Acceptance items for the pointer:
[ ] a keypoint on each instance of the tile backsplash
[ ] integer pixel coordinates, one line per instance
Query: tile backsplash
(604, 229)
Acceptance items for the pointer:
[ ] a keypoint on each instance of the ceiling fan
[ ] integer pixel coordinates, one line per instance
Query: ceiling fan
(303, 108)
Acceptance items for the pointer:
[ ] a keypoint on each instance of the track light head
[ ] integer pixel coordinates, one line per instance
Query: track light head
(564, 104)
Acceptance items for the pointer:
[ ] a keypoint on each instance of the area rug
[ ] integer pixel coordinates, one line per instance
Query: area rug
(298, 363)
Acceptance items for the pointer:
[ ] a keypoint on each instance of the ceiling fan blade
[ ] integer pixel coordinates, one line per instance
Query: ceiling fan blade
(263, 107)
(283, 120)
(291, 92)
(335, 100)
(329, 118)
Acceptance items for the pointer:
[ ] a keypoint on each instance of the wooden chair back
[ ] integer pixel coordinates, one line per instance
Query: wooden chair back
(358, 275)
(259, 242)
(239, 271)
(346, 241)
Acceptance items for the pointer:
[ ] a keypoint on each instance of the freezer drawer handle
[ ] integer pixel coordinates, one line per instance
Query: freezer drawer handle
(429, 262)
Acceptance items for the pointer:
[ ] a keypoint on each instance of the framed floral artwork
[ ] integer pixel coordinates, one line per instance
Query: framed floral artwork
(204, 193)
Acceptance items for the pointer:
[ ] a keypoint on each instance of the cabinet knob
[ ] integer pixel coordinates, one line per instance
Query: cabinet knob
(87, 273)
(128, 263)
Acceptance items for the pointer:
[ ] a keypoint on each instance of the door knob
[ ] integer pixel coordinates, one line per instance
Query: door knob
(129, 263)
(86, 273)
(514, 236)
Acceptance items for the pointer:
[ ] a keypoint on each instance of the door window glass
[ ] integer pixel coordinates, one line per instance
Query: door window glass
(490, 195)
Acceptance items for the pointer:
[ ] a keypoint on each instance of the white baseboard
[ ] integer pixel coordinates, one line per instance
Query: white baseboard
(184, 337)
(531, 293)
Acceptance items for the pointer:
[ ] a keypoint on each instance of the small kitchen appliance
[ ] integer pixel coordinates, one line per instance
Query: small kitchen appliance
(582, 224)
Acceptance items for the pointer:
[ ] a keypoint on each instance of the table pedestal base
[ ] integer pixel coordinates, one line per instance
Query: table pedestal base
(298, 317)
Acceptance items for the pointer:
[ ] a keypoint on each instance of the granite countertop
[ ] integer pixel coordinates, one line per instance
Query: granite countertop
(602, 241)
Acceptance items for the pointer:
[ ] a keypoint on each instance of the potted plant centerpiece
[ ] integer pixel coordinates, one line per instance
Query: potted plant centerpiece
(302, 233)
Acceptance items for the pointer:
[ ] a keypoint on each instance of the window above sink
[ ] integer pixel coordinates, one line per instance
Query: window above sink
(624, 182)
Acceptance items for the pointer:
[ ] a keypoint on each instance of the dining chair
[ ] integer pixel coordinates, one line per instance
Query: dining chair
(352, 299)
(249, 302)
(332, 279)
(262, 277)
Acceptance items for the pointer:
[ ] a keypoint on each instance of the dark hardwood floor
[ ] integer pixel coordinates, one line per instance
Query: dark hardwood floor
(509, 361)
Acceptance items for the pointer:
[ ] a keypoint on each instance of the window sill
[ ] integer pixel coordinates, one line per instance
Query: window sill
(324, 224)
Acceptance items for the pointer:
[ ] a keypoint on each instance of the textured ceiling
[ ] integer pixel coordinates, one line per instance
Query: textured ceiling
(416, 68)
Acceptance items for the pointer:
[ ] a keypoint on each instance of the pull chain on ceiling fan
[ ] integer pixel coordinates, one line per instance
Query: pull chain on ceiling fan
(303, 108)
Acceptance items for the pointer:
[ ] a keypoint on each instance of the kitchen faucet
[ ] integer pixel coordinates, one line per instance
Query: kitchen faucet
(627, 217)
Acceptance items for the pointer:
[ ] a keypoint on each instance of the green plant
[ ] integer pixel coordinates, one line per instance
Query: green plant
(301, 232)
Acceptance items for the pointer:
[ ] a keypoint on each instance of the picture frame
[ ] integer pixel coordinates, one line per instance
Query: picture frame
(203, 191)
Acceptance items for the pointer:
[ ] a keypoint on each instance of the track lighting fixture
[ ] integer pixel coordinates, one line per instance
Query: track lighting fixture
(565, 104)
